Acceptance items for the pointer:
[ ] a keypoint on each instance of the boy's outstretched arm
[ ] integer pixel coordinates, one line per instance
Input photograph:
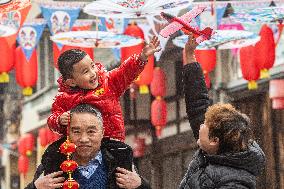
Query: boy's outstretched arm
(121, 77)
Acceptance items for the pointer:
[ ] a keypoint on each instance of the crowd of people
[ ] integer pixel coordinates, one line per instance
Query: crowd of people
(88, 103)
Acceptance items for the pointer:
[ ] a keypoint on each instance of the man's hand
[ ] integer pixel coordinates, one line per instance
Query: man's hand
(50, 181)
(64, 118)
(127, 179)
(151, 48)
(189, 49)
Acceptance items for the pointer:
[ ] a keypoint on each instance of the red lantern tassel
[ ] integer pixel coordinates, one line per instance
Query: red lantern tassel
(70, 184)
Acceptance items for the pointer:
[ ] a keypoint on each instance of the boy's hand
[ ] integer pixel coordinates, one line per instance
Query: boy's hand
(151, 48)
(64, 118)
(189, 48)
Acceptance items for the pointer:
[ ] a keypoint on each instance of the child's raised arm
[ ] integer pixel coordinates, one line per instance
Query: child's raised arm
(121, 77)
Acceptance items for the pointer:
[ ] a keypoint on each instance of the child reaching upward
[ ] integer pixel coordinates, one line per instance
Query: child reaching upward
(84, 81)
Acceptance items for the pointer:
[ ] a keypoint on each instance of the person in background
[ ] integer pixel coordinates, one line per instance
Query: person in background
(227, 157)
(98, 165)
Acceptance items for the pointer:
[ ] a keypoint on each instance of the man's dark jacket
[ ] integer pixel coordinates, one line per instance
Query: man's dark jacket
(52, 159)
(222, 171)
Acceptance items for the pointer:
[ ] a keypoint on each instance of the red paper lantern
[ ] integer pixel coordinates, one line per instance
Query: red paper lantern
(135, 31)
(67, 147)
(207, 80)
(70, 184)
(26, 71)
(146, 76)
(158, 84)
(68, 166)
(23, 164)
(7, 59)
(51, 136)
(159, 114)
(207, 59)
(276, 93)
(265, 48)
(22, 148)
(248, 66)
(42, 133)
(30, 143)
(139, 147)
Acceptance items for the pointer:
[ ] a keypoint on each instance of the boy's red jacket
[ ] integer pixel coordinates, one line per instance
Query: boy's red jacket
(105, 97)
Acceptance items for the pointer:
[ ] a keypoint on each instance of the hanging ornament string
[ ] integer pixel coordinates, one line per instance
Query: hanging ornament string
(69, 166)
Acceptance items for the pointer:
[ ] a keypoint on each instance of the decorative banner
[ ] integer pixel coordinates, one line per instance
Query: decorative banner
(6, 31)
(133, 8)
(13, 14)
(29, 35)
(114, 25)
(60, 16)
(95, 39)
(60, 20)
(223, 39)
(206, 18)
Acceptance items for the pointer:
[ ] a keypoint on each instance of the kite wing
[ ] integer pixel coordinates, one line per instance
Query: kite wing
(186, 18)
